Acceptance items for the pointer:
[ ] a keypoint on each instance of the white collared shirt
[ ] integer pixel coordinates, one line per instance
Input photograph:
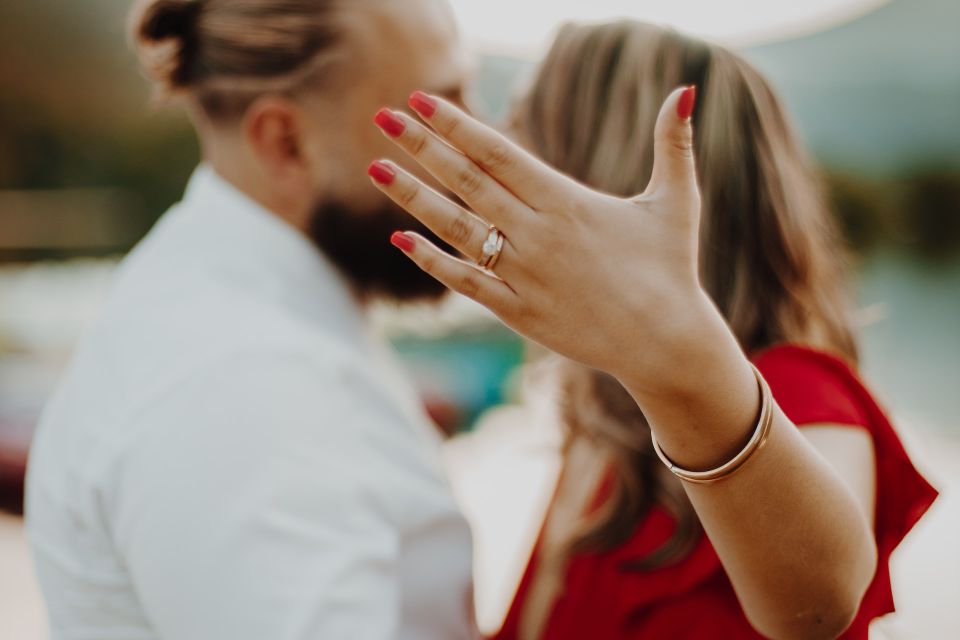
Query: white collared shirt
(230, 454)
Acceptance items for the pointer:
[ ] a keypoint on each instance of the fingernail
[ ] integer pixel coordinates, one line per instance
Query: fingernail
(687, 100)
(381, 172)
(389, 122)
(423, 104)
(402, 241)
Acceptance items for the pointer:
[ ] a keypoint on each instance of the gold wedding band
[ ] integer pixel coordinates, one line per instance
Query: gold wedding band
(492, 248)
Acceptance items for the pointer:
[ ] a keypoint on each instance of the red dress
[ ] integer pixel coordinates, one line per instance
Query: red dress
(694, 599)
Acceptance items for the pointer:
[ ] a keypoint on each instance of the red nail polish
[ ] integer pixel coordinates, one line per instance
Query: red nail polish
(687, 100)
(423, 104)
(402, 241)
(389, 122)
(381, 172)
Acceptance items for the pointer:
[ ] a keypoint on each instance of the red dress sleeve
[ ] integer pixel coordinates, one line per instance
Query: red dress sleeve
(813, 387)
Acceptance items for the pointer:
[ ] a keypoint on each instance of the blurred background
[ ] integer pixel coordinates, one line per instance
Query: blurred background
(86, 167)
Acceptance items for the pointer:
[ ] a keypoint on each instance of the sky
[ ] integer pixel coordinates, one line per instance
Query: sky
(524, 27)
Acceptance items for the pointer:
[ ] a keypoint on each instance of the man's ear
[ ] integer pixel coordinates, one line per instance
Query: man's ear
(273, 128)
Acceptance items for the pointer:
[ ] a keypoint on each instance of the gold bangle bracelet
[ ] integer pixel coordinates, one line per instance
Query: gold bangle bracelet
(733, 465)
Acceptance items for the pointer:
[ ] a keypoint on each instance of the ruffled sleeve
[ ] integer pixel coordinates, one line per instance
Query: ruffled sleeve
(813, 387)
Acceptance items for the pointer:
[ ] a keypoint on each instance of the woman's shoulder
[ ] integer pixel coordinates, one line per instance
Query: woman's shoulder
(815, 387)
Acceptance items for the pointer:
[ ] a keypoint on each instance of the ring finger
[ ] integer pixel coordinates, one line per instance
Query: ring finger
(457, 226)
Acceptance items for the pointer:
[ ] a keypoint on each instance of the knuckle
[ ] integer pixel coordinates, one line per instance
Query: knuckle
(497, 158)
(469, 285)
(449, 126)
(468, 181)
(407, 195)
(459, 230)
(428, 263)
(682, 141)
(417, 143)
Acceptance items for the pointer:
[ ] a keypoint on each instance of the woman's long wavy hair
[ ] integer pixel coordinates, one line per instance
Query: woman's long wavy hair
(770, 256)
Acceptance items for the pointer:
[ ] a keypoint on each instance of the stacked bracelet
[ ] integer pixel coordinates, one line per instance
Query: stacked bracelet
(733, 465)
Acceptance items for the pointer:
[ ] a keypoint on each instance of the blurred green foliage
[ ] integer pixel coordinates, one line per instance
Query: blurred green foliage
(930, 212)
(917, 212)
(152, 159)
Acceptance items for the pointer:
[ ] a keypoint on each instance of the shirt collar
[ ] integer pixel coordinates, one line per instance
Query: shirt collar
(260, 252)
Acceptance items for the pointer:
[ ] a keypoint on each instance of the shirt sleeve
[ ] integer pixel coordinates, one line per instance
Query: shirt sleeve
(252, 508)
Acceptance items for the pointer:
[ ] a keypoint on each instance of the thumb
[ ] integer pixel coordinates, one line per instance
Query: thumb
(673, 163)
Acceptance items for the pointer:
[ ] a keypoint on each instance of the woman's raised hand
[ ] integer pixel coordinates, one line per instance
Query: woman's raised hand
(613, 283)
(607, 281)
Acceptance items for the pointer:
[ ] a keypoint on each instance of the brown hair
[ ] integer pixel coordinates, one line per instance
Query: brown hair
(769, 254)
(225, 53)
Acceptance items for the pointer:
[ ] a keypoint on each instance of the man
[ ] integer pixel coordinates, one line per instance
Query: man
(231, 455)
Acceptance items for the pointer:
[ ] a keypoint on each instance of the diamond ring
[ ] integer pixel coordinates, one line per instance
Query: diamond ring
(492, 248)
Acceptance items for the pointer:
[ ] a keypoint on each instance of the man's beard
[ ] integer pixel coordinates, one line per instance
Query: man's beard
(358, 244)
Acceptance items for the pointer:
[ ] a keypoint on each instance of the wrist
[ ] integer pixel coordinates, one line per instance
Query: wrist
(684, 331)
(696, 388)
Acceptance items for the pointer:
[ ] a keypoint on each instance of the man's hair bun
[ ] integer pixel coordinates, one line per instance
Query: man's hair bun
(223, 54)
(165, 33)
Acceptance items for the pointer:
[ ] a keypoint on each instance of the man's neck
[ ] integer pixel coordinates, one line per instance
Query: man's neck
(251, 184)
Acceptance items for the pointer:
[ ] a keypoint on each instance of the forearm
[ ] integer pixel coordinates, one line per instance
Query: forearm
(792, 538)
(790, 534)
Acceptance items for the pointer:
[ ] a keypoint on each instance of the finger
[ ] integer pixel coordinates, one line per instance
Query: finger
(457, 226)
(457, 275)
(529, 179)
(673, 162)
(491, 200)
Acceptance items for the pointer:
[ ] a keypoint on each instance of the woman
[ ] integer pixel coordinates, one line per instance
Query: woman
(770, 260)
(621, 285)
